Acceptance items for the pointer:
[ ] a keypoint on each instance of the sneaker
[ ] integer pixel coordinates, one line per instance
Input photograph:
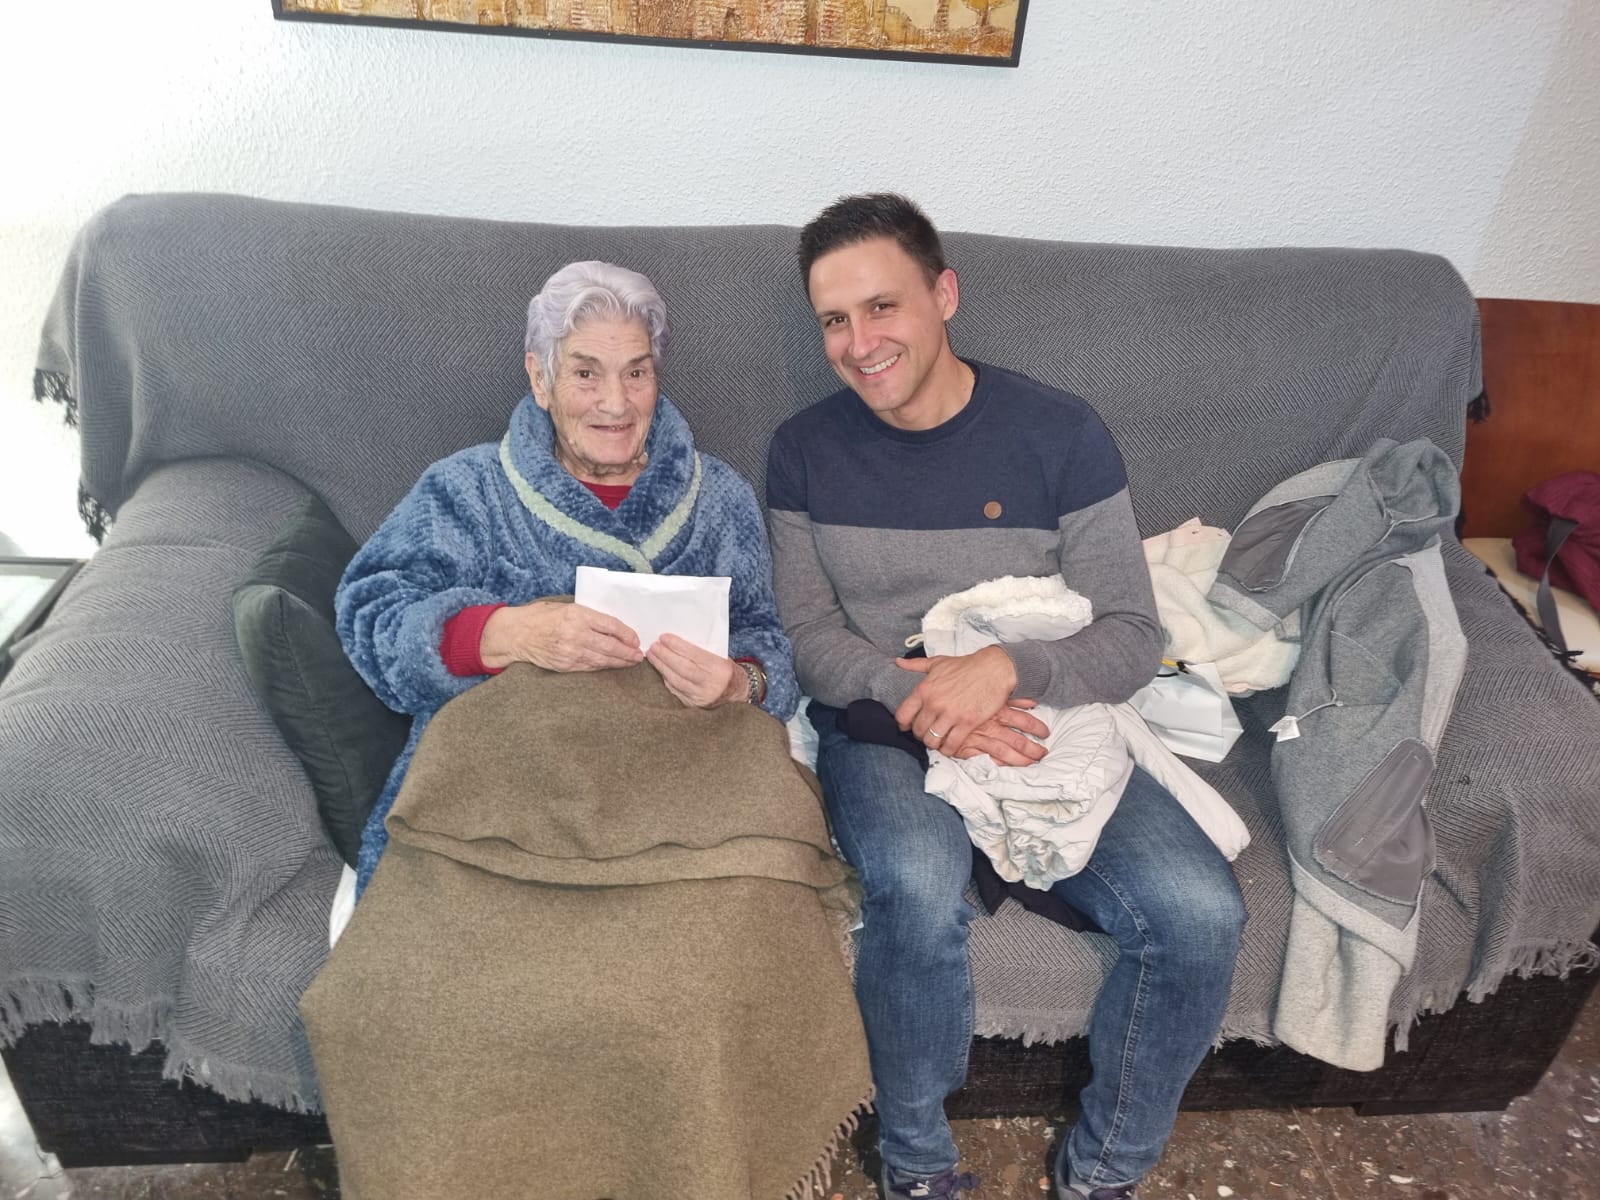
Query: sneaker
(947, 1185)
(1082, 1191)
(1065, 1191)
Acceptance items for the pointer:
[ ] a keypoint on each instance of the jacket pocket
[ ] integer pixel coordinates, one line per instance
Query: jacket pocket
(1379, 839)
(1263, 547)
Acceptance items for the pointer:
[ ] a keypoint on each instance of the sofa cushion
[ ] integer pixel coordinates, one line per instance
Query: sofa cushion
(283, 616)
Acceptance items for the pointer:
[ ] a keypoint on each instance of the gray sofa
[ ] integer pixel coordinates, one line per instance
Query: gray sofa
(164, 879)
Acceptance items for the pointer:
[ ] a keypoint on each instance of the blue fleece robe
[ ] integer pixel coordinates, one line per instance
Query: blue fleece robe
(506, 523)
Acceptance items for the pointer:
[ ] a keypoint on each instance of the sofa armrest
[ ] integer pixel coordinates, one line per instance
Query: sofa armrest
(163, 873)
(1512, 799)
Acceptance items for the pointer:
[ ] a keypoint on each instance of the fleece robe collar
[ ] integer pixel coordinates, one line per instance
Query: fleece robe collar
(656, 510)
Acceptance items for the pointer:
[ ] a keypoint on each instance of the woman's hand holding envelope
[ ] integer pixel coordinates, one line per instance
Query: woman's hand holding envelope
(558, 637)
(698, 677)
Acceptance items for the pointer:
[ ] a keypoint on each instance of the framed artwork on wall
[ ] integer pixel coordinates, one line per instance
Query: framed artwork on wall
(977, 32)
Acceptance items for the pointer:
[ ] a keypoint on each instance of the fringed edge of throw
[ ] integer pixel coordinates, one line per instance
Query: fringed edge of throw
(53, 386)
(815, 1181)
(1433, 1004)
(185, 1064)
(96, 518)
(844, 928)
(1554, 959)
(1032, 1031)
(1035, 1032)
(25, 1002)
(1558, 959)
(1232, 1031)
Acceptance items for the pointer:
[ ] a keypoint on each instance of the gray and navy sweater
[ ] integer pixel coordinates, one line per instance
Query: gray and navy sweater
(871, 525)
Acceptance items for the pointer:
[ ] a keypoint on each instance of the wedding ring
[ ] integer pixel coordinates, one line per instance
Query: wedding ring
(935, 733)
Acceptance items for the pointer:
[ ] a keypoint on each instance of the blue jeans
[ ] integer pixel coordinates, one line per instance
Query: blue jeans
(1155, 884)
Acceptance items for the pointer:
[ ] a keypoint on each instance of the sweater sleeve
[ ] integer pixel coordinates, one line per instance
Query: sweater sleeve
(1120, 650)
(426, 563)
(832, 662)
(461, 647)
(1101, 558)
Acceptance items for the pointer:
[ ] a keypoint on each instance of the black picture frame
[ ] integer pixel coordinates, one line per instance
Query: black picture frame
(302, 10)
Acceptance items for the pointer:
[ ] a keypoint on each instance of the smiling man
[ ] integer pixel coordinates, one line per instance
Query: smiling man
(925, 475)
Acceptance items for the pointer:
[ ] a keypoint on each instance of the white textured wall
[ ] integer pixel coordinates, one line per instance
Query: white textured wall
(1467, 127)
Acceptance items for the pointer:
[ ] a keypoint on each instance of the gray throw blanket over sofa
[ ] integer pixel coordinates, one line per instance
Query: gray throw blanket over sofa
(163, 873)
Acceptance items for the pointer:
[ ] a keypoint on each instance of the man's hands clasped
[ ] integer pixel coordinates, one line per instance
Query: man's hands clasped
(963, 708)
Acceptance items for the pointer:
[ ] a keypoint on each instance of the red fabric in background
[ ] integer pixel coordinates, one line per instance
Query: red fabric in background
(1576, 496)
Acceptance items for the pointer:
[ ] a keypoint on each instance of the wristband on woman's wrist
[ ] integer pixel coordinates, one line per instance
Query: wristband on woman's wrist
(755, 680)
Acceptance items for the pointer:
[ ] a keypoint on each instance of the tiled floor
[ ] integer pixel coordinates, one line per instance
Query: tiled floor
(1545, 1147)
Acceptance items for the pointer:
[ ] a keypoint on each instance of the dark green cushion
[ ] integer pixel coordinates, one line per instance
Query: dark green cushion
(283, 616)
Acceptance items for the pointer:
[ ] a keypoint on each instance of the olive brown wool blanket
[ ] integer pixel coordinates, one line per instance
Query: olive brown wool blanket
(601, 957)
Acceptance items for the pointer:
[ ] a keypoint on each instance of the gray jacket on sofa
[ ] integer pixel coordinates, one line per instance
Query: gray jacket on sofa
(1351, 548)
(163, 873)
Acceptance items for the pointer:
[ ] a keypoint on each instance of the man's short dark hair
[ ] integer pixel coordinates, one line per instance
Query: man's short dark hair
(852, 219)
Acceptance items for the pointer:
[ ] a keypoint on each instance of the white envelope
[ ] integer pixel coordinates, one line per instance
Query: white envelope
(695, 607)
(1191, 712)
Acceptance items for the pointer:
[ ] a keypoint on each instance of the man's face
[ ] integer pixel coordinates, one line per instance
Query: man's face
(883, 330)
(603, 399)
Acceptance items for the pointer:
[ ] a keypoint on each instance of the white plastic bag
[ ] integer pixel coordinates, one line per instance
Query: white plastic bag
(1190, 711)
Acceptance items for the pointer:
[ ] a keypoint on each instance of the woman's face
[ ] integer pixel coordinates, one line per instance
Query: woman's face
(603, 399)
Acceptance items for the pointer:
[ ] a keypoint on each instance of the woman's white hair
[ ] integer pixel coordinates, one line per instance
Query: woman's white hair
(585, 291)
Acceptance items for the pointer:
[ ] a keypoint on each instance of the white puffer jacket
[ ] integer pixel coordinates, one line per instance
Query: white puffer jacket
(1040, 823)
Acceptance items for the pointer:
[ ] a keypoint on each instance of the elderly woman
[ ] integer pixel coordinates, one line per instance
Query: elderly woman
(596, 896)
(597, 468)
